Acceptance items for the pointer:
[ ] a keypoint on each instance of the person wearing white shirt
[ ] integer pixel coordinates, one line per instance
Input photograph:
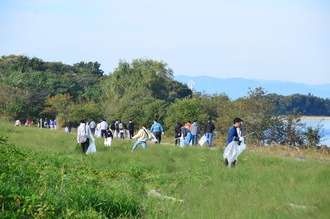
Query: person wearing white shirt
(82, 130)
(103, 126)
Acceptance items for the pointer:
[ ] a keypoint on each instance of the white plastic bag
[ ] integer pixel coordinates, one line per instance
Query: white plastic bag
(98, 133)
(91, 148)
(153, 138)
(233, 150)
(202, 140)
(66, 129)
(108, 142)
(182, 144)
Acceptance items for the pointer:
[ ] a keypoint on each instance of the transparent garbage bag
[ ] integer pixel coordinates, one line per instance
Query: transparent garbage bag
(233, 150)
(91, 148)
(202, 140)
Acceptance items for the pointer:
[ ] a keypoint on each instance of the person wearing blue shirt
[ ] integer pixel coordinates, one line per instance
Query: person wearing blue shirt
(158, 130)
(234, 134)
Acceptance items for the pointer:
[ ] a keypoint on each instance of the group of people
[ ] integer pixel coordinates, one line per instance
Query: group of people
(188, 133)
(52, 124)
(117, 128)
(103, 129)
(27, 122)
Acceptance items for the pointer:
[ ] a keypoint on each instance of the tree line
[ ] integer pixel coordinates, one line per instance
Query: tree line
(144, 90)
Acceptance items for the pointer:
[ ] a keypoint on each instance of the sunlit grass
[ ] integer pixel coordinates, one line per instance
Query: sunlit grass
(261, 186)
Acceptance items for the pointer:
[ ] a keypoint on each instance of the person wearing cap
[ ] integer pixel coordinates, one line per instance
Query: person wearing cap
(234, 134)
(208, 130)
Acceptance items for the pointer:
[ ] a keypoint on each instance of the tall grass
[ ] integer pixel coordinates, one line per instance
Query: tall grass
(44, 174)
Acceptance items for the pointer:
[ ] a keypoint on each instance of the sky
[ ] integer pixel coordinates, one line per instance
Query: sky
(284, 40)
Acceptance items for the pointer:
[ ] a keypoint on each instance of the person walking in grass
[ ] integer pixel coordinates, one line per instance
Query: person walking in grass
(177, 133)
(234, 134)
(84, 132)
(208, 130)
(108, 138)
(69, 126)
(131, 129)
(195, 131)
(158, 130)
(92, 124)
(103, 127)
(142, 137)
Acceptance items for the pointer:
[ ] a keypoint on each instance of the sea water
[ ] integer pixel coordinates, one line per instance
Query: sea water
(324, 132)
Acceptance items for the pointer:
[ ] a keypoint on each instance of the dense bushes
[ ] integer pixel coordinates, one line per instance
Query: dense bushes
(40, 184)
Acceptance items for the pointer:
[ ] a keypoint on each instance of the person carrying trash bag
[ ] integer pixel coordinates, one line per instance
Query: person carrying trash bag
(84, 133)
(235, 143)
(185, 136)
(157, 130)
(108, 137)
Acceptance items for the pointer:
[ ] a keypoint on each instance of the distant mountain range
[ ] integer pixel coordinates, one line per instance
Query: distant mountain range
(239, 87)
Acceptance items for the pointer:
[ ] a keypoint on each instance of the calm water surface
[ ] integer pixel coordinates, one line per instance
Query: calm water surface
(325, 132)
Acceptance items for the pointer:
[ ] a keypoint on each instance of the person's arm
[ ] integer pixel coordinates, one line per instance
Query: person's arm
(232, 135)
(78, 134)
(213, 127)
(90, 133)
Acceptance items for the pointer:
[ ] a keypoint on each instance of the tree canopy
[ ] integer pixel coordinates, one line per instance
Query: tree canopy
(144, 90)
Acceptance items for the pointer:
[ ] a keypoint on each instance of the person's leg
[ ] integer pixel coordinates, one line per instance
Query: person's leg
(194, 140)
(136, 144)
(144, 144)
(160, 137)
(84, 146)
(207, 138)
(211, 138)
(156, 134)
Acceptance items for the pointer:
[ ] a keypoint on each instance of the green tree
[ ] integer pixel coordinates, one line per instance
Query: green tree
(183, 110)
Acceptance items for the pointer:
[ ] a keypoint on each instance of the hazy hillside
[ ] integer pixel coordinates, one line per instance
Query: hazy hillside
(238, 87)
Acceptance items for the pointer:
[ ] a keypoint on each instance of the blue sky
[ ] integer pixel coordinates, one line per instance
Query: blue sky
(257, 39)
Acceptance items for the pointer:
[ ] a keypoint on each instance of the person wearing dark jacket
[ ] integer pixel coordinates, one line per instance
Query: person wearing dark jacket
(177, 133)
(131, 129)
(234, 134)
(69, 126)
(208, 130)
(108, 137)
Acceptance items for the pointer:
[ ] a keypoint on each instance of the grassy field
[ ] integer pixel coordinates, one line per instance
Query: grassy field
(44, 174)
